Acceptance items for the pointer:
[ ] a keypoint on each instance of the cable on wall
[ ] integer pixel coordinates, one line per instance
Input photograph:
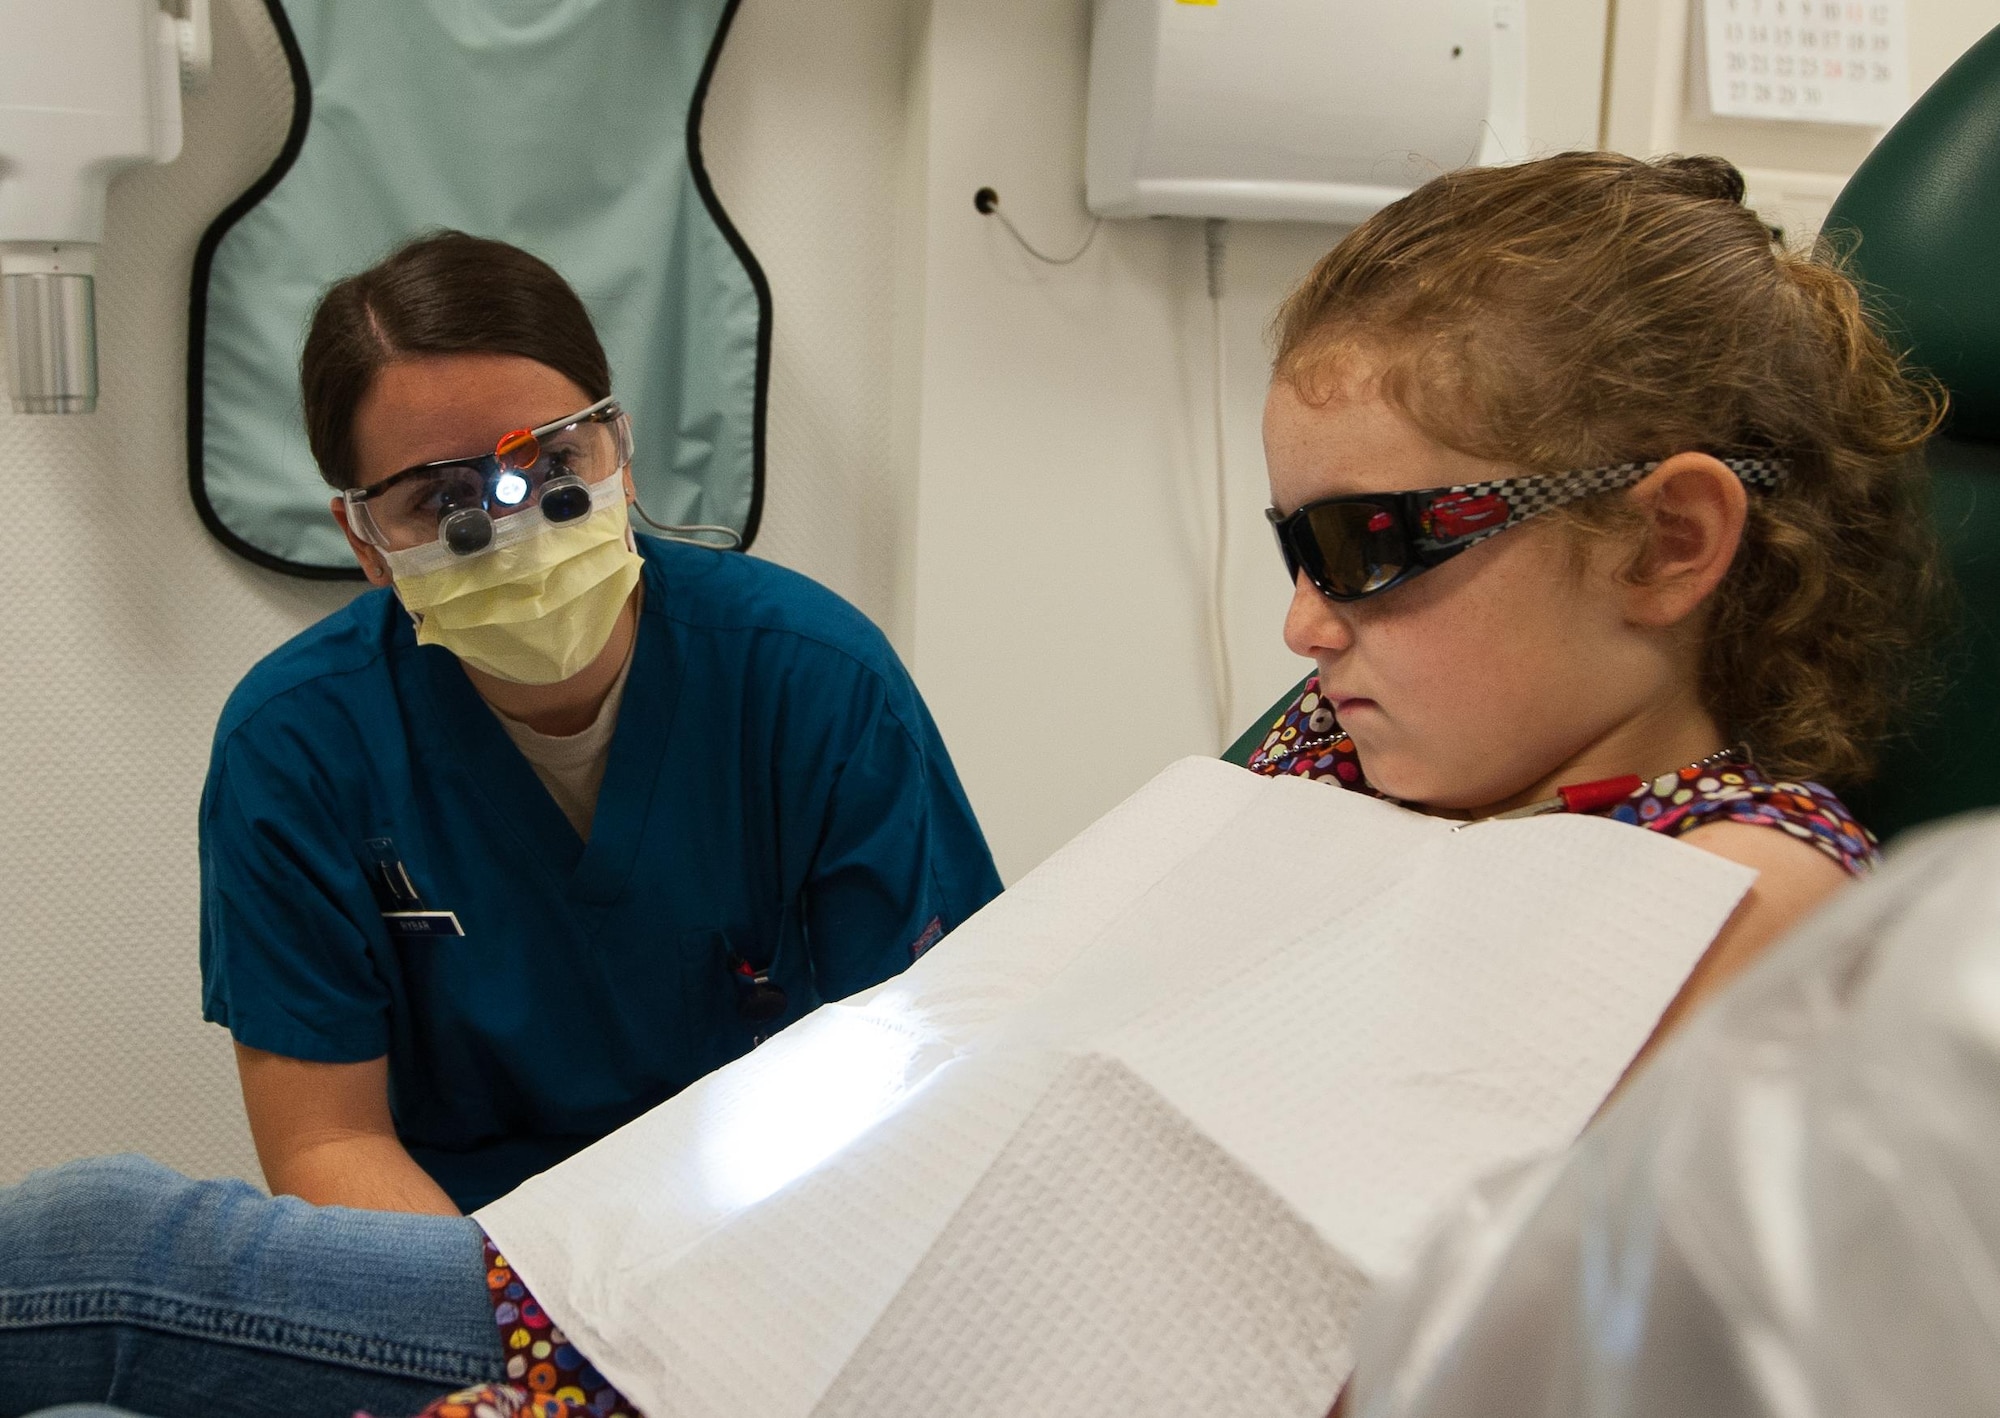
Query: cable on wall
(1215, 234)
(987, 203)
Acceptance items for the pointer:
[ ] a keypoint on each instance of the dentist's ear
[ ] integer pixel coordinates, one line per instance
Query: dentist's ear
(1694, 509)
(372, 564)
(631, 500)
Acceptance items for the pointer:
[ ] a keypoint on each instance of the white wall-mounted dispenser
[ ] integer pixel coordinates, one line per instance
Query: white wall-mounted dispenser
(87, 89)
(1296, 110)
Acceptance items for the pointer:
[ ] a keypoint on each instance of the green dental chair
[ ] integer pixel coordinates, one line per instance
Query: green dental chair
(1922, 219)
(1922, 216)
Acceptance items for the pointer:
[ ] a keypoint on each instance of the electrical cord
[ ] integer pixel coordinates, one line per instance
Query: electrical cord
(987, 203)
(1216, 238)
(696, 532)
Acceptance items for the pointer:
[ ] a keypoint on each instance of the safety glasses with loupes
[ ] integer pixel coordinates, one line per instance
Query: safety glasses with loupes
(455, 500)
(1354, 547)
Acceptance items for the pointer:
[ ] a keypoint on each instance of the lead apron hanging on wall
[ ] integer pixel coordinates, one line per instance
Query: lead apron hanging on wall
(568, 127)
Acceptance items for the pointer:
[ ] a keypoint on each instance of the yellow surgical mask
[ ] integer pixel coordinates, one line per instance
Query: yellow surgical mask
(535, 607)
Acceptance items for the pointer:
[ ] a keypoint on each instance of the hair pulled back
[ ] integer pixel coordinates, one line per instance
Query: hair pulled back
(445, 293)
(1592, 308)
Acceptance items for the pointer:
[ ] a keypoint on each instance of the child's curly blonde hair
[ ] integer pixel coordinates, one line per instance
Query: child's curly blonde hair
(1591, 308)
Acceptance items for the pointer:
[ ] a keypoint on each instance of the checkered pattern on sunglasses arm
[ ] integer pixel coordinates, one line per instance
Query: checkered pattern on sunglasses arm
(1356, 546)
(1447, 523)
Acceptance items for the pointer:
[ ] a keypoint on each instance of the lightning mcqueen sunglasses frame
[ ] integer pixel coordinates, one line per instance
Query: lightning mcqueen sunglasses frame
(1354, 547)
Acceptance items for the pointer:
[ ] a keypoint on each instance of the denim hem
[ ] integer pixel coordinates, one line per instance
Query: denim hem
(223, 1325)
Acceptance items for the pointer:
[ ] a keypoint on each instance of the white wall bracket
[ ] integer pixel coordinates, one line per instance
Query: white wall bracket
(197, 45)
(1295, 110)
(88, 88)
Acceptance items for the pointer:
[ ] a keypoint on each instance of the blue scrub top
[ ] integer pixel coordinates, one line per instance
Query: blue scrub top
(776, 791)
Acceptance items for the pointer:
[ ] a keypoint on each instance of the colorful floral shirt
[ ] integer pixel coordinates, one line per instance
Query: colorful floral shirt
(546, 1376)
(1305, 742)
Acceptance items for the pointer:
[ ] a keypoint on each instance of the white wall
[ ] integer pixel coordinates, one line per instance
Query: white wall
(126, 627)
(808, 137)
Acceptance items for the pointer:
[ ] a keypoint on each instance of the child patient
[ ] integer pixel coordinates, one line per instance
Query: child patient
(1593, 499)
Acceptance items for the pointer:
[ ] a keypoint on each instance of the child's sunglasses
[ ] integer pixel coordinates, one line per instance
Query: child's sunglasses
(1359, 546)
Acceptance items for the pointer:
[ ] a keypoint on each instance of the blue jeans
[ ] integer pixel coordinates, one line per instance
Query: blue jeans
(125, 1283)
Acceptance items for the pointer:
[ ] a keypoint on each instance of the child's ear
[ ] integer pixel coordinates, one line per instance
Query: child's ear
(1694, 509)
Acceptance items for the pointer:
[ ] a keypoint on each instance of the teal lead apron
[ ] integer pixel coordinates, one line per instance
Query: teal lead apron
(568, 127)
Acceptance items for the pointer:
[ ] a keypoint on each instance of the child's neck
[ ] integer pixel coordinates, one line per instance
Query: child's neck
(1657, 740)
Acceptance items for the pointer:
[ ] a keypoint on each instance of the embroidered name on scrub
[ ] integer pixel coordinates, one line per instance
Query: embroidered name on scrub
(421, 923)
(403, 909)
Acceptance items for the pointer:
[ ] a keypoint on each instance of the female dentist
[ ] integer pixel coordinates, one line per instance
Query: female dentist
(559, 819)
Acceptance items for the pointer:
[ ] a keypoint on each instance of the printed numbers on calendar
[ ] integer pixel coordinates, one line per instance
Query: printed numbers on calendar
(1816, 61)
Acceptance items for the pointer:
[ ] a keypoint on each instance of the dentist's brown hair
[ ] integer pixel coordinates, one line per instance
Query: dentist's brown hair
(445, 293)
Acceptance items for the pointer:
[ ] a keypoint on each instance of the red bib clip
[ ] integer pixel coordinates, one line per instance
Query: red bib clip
(1595, 797)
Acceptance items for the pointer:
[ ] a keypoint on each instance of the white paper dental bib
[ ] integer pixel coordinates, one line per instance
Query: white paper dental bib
(1139, 1136)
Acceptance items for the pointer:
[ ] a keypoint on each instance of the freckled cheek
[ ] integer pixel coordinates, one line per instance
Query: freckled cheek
(1451, 710)
(1456, 640)
(1446, 673)
(1431, 674)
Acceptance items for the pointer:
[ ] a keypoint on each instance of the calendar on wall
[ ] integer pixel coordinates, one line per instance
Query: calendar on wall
(1819, 61)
